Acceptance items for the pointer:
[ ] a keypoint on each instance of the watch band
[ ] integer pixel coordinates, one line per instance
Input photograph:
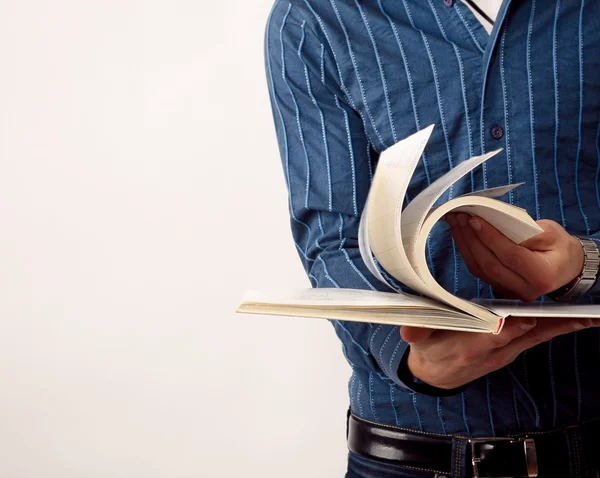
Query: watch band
(579, 286)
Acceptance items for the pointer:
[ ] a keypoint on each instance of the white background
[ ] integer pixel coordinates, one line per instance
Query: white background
(141, 193)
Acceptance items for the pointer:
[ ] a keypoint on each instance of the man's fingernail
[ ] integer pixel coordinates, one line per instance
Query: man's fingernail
(475, 224)
(527, 324)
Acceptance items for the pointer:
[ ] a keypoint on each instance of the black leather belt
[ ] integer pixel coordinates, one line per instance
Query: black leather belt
(555, 453)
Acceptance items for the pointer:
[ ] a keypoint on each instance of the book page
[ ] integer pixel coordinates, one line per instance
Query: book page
(504, 216)
(415, 213)
(360, 306)
(545, 309)
(494, 193)
(342, 298)
(380, 232)
(415, 317)
(515, 223)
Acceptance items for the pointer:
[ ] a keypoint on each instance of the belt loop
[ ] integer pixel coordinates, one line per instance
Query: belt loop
(459, 458)
(573, 435)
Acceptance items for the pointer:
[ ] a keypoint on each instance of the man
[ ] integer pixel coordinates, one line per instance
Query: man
(349, 78)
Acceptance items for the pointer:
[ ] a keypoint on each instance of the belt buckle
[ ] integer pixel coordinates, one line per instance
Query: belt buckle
(528, 449)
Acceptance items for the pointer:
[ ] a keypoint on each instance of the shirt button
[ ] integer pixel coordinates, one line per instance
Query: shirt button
(448, 3)
(497, 132)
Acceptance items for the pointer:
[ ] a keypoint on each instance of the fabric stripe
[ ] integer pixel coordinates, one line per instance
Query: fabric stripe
(488, 387)
(524, 390)
(462, 78)
(443, 120)
(323, 128)
(579, 202)
(506, 116)
(337, 65)
(381, 72)
(327, 272)
(351, 153)
(352, 396)
(462, 86)
(381, 350)
(343, 88)
(371, 400)
(349, 260)
(351, 337)
(414, 400)
(458, 10)
(532, 111)
(411, 89)
(487, 58)
(320, 220)
(556, 113)
(304, 256)
(437, 87)
(284, 135)
(322, 63)
(514, 394)
(392, 401)
(463, 397)
(360, 274)
(360, 83)
(370, 162)
(439, 412)
(360, 406)
(468, 119)
(300, 133)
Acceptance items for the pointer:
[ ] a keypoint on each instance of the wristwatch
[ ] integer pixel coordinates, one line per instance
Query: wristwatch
(579, 286)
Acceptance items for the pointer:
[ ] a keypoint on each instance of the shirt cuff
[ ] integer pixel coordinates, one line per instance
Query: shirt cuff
(420, 387)
(391, 354)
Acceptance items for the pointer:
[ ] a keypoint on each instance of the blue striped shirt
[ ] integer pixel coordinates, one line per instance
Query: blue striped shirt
(349, 78)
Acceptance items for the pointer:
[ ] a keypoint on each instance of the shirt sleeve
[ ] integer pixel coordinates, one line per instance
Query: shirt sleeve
(328, 162)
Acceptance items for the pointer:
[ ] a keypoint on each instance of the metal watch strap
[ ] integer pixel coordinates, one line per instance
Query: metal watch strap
(579, 286)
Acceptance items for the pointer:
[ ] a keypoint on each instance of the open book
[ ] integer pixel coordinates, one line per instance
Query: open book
(396, 240)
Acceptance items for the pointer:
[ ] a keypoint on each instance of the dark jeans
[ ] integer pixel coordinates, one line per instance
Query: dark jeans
(359, 467)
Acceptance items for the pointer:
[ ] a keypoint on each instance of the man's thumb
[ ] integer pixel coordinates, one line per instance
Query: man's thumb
(414, 334)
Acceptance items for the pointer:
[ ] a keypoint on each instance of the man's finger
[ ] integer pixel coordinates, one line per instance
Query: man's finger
(496, 273)
(414, 335)
(513, 329)
(457, 222)
(544, 331)
(545, 241)
(516, 258)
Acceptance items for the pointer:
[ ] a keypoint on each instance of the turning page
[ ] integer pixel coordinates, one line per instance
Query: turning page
(380, 217)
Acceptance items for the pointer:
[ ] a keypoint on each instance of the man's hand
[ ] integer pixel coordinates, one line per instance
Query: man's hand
(447, 360)
(525, 271)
